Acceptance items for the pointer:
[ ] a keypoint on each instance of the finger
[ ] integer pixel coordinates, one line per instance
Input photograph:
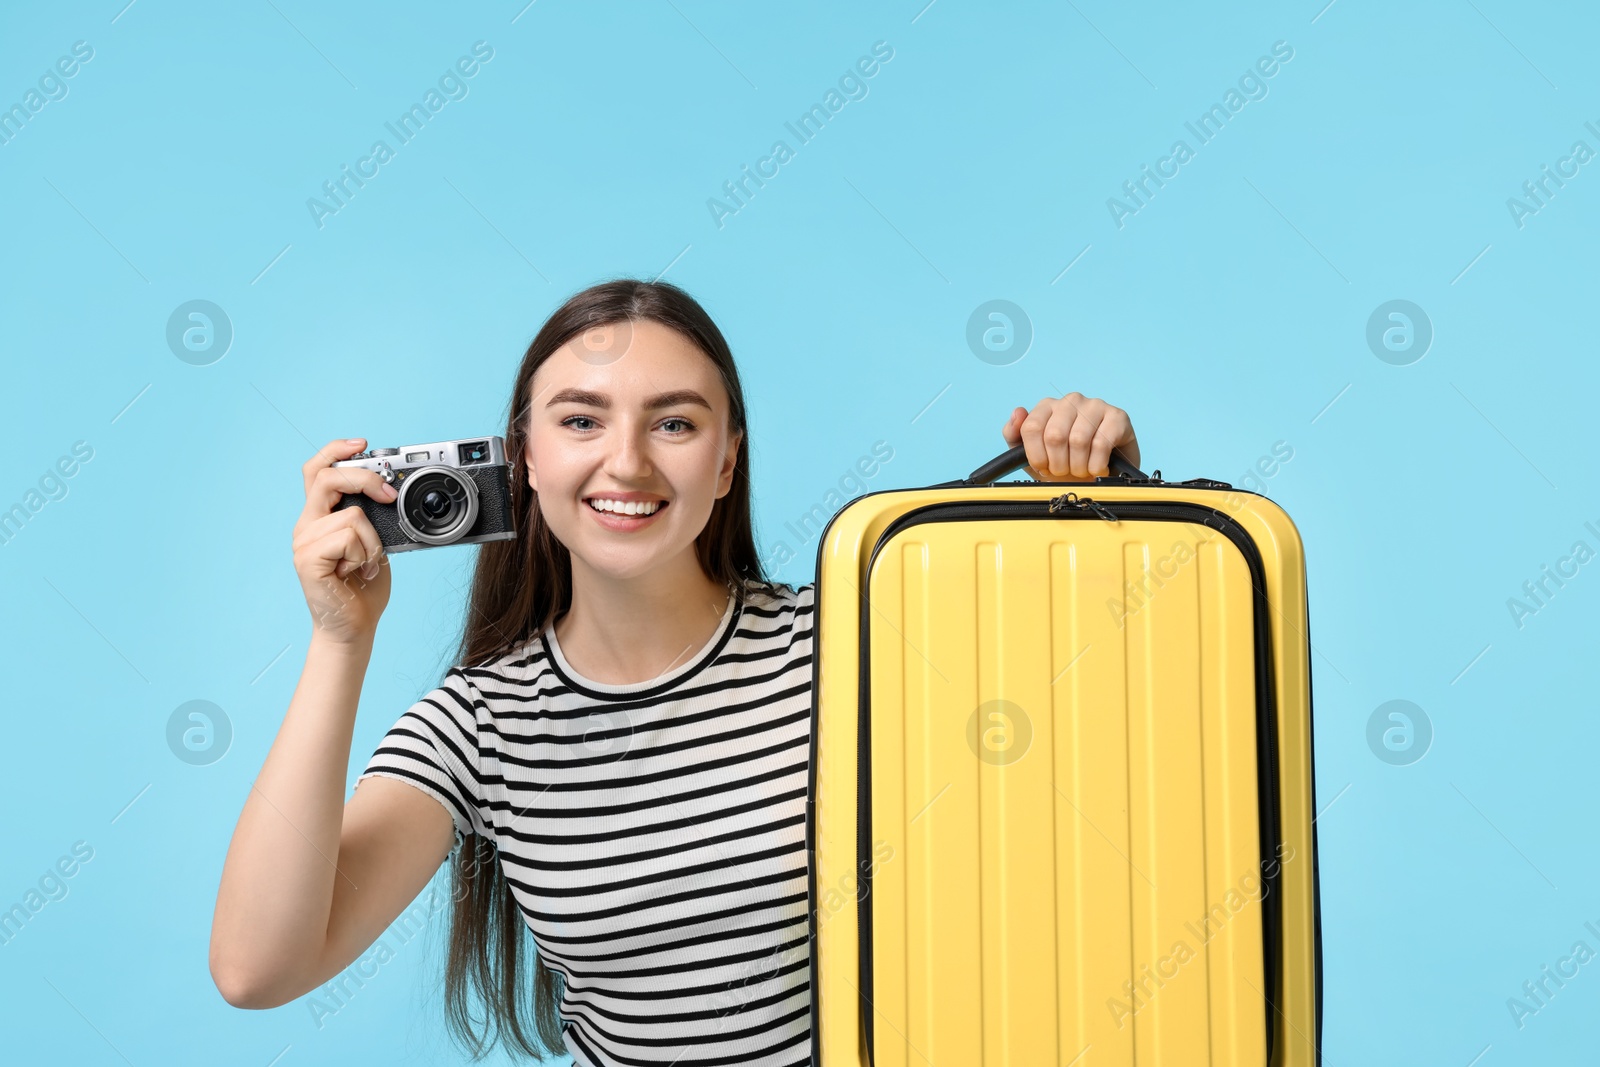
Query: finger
(1115, 429)
(1010, 430)
(1080, 439)
(310, 532)
(345, 550)
(1057, 439)
(340, 552)
(371, 544)
(365, 571)
(330, 484)
(1130, 448)
(329, 454)
(1032, 433)
(330, 538)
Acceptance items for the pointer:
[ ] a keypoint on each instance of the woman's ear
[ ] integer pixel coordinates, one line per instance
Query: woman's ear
(730, 460)
(533, 476)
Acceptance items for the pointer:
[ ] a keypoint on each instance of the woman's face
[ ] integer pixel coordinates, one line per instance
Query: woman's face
(629, 413)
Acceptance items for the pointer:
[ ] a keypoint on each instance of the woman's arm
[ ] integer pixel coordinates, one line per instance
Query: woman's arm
(310, 882)
(307, 877)
(273, 903)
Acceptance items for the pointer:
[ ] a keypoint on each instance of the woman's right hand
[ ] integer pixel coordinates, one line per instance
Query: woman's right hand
(338, 555)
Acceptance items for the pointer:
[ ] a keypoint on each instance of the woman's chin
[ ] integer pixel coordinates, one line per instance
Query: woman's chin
(621, 563)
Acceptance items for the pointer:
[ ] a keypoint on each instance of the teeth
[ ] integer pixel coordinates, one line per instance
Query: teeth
(637, 507)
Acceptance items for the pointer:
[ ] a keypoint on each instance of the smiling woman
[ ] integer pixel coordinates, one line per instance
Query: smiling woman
(625, 740)
(621, 750)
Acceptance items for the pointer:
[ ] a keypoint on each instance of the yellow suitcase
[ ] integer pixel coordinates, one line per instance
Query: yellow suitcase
(1061, 794)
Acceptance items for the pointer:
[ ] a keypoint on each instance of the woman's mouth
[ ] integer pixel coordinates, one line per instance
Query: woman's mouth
(624, 515)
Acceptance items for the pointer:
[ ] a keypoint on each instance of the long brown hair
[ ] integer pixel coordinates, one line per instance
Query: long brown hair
(519, 588)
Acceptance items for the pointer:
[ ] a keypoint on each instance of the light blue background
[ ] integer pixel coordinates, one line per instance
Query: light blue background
(1228, 315)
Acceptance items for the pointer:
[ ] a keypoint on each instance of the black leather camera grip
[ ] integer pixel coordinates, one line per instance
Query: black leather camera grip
(494, 510)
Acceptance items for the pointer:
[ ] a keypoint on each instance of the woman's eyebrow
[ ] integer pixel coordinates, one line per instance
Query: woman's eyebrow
(600, 400)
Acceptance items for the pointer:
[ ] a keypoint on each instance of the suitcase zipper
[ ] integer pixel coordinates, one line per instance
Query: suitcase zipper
(1071, 506)
(1073, 500)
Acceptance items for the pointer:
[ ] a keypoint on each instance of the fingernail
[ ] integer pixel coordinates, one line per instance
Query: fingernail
(356, 440)
(370, 571)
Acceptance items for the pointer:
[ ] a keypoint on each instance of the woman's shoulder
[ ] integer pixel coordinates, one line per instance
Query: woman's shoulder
(776, 611)
(774, 597)
(516, 670)
(773, 619)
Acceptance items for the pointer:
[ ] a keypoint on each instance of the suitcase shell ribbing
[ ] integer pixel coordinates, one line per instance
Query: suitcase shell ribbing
(1061, 792)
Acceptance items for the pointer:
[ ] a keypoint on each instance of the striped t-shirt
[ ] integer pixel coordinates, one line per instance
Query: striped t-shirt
(653, 833)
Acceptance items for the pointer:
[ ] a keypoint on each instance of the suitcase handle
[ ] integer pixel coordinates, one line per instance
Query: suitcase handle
(1016, 457)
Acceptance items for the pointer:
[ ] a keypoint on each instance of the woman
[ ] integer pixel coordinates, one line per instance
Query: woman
(622, 745)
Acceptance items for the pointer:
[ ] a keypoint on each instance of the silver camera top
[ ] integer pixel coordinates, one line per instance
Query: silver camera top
(440, 487)
(468, 451)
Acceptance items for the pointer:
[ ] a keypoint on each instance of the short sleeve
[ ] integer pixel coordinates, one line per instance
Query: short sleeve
(434, 747)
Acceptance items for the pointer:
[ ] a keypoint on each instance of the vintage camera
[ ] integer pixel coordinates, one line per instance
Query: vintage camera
(450, 493)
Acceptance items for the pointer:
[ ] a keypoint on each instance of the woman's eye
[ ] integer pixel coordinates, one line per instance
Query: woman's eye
(686, 425)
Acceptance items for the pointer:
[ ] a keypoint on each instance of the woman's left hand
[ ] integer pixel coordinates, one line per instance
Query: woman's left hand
(1071, 438)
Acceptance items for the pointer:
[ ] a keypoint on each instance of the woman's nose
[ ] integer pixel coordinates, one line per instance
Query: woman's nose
(629, 459)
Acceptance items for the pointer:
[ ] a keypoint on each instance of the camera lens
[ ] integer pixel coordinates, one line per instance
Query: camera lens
(437, 505)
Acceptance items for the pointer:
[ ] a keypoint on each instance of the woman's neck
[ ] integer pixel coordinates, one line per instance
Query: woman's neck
(633, 630)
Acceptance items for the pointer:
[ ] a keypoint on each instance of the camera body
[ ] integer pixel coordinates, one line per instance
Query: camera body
(450, 493)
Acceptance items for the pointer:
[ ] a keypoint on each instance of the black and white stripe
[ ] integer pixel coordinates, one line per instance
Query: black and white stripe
(653, 834)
